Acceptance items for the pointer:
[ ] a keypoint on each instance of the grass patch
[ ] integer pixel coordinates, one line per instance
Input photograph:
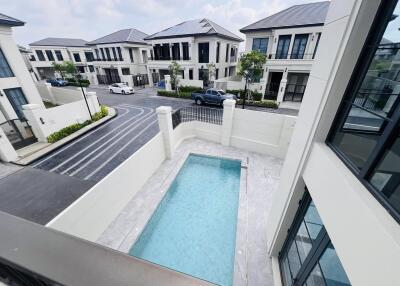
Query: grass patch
(66, 131)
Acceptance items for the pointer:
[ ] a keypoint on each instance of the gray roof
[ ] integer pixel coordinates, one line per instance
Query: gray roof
(122, 36)
(60, 42)
(198, 27)
(10, 21)
(312, 14)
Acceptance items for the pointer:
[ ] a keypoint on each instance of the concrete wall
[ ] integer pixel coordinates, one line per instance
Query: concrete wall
(90, 215)
(262, 132)
(58, 95)
(366, 238)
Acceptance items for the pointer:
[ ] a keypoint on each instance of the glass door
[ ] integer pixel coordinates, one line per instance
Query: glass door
(308, 256)
(16, 98)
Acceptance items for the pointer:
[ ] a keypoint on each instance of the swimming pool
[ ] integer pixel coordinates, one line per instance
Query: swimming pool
(193, 229)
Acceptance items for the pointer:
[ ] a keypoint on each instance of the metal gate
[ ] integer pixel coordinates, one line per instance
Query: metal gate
(18, 132)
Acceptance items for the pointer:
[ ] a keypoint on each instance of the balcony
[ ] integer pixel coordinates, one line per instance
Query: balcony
(295, 57)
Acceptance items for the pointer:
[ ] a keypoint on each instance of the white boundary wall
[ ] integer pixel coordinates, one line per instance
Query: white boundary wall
(91, 214)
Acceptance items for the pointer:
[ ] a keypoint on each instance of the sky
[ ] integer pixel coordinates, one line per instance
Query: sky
(91, 19)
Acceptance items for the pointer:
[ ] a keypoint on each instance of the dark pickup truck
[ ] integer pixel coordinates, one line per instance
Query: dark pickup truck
(213, 96)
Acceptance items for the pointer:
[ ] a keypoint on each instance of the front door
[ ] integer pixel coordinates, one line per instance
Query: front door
(16, 98)
(272, 88)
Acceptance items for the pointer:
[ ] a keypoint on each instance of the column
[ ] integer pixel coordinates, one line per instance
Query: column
(282, 87)
(181, 52)
(7, 151)
(164, 116)
(167, 79)
(93, 101)
(35, 121)
(50, 93)
(227, 121)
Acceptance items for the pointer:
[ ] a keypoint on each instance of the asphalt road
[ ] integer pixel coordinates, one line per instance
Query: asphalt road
(96, 154)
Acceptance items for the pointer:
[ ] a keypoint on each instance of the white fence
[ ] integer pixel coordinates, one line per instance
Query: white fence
(191, 82)
(90, 215)
(59, 95)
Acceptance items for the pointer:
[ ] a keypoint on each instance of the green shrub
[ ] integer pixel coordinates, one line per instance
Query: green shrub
(235, 91)
(64, 132)
(173, 94)
(257, 96)
(74, 82)
(263, 103)
(189, 88)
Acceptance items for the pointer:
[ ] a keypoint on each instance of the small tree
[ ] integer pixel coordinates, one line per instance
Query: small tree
(66, 67)
(251, 68)
(174, 71)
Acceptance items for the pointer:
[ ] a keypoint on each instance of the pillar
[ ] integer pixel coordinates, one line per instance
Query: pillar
(35, 121)
(93, 101)
(167, 79)
(50, 93)
(282, 87)
(7, 151)
(164, 115)
(227, 121)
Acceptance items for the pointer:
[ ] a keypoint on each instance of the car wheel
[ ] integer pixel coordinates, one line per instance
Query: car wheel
(199, 101)
(111, 91)
(123, 92)
(221, 103)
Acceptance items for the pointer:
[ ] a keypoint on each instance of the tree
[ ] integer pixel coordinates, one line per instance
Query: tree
(174, 70)
(66, 67)
(251, 68)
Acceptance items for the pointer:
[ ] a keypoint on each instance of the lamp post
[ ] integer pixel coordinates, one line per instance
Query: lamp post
(78, 76)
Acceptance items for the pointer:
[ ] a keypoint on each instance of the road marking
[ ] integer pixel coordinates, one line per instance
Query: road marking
(103, 151)
(119, 151)
(81, 138)
(101, 138)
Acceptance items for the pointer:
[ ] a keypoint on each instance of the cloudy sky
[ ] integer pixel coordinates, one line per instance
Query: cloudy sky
(90, 19)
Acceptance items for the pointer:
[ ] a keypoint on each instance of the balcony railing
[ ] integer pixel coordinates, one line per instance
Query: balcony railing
(31, 254)
(297, 56)
(203, 114)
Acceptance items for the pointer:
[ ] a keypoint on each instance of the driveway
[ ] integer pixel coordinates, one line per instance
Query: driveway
(96, 154)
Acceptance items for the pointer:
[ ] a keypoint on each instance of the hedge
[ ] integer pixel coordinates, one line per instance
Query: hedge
(263, 103)
(66, 131)
(74, 82)
(189, 88)
(257, 96)
(173, 94)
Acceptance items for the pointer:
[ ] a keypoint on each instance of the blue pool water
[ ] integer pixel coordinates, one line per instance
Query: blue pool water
(193, 229)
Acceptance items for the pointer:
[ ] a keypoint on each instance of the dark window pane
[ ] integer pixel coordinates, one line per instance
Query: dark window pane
(315, 278)
(17, 99)
(313, 221)
(59, 55)
(203, 52)
(119, 54)
(303, 242)
(359, 135)
(5, 70)
(40, 55)
(260, 44)
(287, 277)
(299, 46)
(77, 57)
(49, 55)
(332, 268)
(294, 259)
(386, 176)
(283, 47)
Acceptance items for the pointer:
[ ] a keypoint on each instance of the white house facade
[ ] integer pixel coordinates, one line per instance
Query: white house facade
(121, 57)
(17, 88)
(193, 44)
(335, 217)
(290, 40)
(50, 50)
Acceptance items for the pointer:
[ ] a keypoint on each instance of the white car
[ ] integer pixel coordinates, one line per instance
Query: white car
(120, 88)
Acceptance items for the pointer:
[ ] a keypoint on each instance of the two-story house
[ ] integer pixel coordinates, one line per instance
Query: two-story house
(193, 44)
(17, 88)
(49, 50)
(121, 57)
(290, 40)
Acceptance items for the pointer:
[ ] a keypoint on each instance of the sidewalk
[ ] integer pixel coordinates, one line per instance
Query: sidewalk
(37, 150)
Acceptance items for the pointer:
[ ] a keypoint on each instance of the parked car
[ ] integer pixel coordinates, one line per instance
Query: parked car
(120, 88)
(212, 95)
(57, 82)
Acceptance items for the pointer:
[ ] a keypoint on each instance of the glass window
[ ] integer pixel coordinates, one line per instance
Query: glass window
(5, 70)
(114, 53)
(185, 51)
(16, 98)
(366, 129)
(283, 47)
(260, 44)
(131, 54)
(119, 54)
(91, 68)
(97, 54)
(217, 52)
(328, 270)
(77, 57)
(59, 55)
(203, 52)
(89, 56)
(49, 55)
(40, 55)
(299, 46)
(103, 57)
(125, 71)
(108, 54)
(302, 250)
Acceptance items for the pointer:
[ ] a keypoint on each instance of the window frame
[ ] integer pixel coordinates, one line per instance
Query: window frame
(49, 55)
(389, 135)
(279, 50)
(59, 55)
(6, 65)
(258, 40)
(77, 57)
